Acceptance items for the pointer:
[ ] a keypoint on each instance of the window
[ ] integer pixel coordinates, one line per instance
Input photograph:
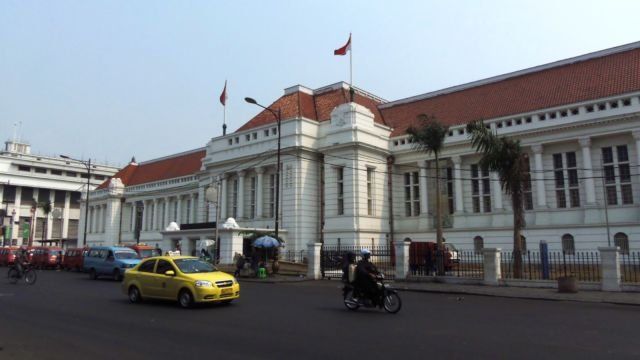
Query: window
(98, 177)
(147, 266)
(478, 244)
(40, 170)
(565, 167)
(234, 199)
(266, 132)
(24, 168)
(617, 175)
(26, 195)
(56, 172)
(340, 190)
(450, 189)
(568, 245)
(230, 141)
(59, 198)
(621, 240)
(412, 193)
(254, 135)
(71, 174)
(480, 189)
(252, 198)
(247, 137)
(370, 191)
(164, 266)
(274, 131)
(84, 175)
(272, 194)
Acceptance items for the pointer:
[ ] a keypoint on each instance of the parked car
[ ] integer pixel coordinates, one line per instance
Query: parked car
(185, 279)
(110, 261)
(46, 257)
(145, 251)
(74, 258)
(8, 255)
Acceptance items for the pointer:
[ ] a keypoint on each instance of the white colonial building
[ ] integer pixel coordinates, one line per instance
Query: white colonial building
(26, 179)
(350, 175)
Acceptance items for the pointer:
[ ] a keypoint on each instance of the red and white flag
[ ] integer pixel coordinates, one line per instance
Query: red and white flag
(223, 96)
(343, 50)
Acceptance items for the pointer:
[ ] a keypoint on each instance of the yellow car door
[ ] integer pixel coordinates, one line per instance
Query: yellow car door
(167, 285)
(145, 277)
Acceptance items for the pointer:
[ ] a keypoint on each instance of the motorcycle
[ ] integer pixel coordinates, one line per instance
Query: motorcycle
(386, 297)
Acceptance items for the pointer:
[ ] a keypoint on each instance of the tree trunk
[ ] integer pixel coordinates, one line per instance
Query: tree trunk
(440, 255)
(518, 222)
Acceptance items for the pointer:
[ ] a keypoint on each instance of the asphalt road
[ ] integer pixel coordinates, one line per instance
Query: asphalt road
(67, 316)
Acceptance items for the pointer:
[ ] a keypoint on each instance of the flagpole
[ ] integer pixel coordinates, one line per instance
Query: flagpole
(351, 90)
(224, 110)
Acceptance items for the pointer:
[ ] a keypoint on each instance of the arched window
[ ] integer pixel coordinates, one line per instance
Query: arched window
(621, 240)
(478, 244)
(568, 245)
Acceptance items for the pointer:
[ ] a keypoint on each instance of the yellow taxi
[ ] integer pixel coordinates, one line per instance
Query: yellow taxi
(186, 279)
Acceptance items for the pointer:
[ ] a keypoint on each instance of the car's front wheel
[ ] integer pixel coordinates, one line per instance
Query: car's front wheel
(93, 275)
(185, 299)
(134, 295)
(117, 276)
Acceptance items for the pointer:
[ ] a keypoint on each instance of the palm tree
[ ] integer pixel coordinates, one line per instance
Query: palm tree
(46, 209)
(429, 138)
(505, 156)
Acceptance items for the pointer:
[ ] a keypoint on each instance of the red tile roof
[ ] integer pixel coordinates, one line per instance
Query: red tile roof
(586, 79)
(175, 166)
(315, 107)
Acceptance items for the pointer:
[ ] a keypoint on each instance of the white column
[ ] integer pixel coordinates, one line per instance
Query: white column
(223, 199)
(589, 185)
(402, 259)
(16, 227)
(313, 253)
(65, 215)
(241, 194)
(496, 189)
(260, 172)
(424, 189)
(457, 181)
(132, 225)
(154, 218)
(179, 207)
(166, 213)
(145, 215)
(541, 194)
(202, 212)
(636, 137)
(611, 279)
(194, 197)
(492, 272)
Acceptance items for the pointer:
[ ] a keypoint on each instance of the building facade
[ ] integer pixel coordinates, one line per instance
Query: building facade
(28, 181)
(350, 175)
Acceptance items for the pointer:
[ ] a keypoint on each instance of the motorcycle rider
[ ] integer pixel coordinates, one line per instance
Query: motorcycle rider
(20, 260)
(366, 273)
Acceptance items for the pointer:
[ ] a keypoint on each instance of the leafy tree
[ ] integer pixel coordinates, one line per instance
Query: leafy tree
(46, 208)
(506, 157)
(429, 137)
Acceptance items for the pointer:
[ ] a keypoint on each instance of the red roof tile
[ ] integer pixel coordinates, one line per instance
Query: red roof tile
(589, 79)
(315, 107)
(155, 170)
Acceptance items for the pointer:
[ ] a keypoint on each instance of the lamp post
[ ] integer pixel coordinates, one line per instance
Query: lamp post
(86, 164)
(279, 120)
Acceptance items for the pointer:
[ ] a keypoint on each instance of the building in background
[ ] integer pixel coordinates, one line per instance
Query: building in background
(349, 174)
(27, 181)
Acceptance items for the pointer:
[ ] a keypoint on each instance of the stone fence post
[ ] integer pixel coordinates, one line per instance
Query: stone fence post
(313, 252)
(402, 259)
(492, 272)
(611, 279)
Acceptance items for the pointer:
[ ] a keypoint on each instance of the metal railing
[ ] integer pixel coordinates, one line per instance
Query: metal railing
(460, 263)
(630, 267)
(583, 265)
(299, 256)
(331, 259)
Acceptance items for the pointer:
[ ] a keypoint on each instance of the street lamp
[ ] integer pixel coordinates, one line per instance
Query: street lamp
(279, 120)
(86, 164)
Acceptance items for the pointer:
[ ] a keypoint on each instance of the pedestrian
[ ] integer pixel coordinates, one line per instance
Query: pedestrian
(428, 260)
(240, 260)
(158, 251)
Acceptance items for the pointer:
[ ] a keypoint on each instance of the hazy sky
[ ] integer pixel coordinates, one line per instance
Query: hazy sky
(113, 79)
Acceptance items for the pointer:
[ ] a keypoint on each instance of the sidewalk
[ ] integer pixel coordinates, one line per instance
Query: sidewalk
(625, 298)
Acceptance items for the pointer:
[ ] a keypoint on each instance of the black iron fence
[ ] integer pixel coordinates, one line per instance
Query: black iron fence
(459, 263)
(332, 257)
(630, 267)
(299, 256)
(583, 265)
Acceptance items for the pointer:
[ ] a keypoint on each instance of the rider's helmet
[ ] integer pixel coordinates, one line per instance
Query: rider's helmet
(365, 253)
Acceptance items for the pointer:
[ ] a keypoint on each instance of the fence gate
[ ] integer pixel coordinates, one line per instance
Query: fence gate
(331, 259)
